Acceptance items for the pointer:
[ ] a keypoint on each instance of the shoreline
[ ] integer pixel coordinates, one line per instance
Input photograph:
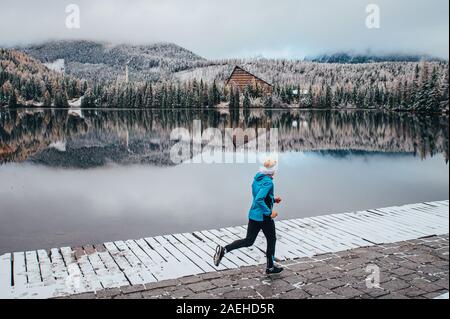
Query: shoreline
(134, 264)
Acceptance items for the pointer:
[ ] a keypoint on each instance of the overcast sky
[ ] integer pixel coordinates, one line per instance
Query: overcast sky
(238, 28)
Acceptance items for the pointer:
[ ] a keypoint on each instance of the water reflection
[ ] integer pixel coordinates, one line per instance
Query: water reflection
(69, 180)
(97, 137)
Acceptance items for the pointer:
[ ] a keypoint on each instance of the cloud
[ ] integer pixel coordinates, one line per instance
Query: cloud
(237, 28)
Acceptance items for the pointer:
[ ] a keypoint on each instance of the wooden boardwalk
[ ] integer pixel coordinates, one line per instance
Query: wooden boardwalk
(65, 271)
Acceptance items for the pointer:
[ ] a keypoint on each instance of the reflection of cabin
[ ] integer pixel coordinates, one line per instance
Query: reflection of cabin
(241, 79)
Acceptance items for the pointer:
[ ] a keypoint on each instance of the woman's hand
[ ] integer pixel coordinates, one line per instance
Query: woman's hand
(274, 215)
(277, 200)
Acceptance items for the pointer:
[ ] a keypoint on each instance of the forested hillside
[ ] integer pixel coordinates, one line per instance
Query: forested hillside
(98, 61)
(24, 80)
(167, 76)
(395, 85)
(353, 58)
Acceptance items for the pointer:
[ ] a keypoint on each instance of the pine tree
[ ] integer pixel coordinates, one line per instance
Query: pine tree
(47, 102)
(423, 90)
(434, 91)
(328, 97)
(444, 101)
(12, 102)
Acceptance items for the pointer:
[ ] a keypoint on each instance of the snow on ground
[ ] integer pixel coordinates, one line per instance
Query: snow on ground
(57, 65)
(207, 74)
(75, 102)
(59, 145)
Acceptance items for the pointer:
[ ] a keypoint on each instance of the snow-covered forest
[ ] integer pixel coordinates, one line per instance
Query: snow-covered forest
(24, 80)
(105, 62)
(168, 76)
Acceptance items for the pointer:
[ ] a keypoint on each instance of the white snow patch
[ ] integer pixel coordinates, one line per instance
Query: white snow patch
(57, 65)
(76, 112)
(75, 102)
(59, 145)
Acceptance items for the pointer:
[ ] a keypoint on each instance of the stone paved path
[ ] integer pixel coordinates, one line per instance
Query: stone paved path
(409, 269)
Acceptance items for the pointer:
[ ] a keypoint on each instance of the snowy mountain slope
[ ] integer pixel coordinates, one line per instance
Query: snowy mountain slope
(103, 61)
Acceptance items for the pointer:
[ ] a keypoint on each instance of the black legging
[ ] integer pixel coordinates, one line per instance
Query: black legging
(268, 228)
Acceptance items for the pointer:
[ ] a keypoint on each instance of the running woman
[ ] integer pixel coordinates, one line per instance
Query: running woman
(261, 217)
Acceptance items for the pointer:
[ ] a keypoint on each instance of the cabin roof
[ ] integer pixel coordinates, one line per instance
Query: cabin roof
(239, 68)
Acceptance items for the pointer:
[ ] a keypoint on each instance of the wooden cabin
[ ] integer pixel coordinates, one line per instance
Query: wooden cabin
(241, 79)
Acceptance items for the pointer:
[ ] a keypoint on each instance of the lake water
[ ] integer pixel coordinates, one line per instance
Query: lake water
(107, 175)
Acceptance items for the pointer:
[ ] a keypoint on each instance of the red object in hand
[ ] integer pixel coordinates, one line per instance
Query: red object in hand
(278, 200)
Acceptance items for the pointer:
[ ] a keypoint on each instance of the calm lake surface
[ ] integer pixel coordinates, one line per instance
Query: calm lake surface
(69, 179)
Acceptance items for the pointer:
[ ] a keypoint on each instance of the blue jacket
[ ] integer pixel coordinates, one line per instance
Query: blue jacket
(263, 197)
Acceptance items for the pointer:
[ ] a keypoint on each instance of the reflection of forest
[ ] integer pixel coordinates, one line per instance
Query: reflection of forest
(142, 136)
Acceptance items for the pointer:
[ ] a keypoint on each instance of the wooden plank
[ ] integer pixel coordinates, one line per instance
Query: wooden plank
(89, 273)
(237, 256)
(74, 282)
(429, 218)
(209, 250)
(330, 235)
(344, 237)
(303, 248)
(45, 266)
(118, 257)
(33, 271)
(285, 249)
(369, 229)
(366, 232)
(393, 224)
(258, 251)
(153, 254)
(232, 256)
(149, 267)
(135, 263)
(171, 264)
(385, 225)
(116, 275)
(255, 252)
(371, 226)
(59, 268)
(5, 275)
(416, 225)
(159, 268)
(229, 263)
(331, 232)
(184, 256)
(19, 269)
(163, 270)
(302, 235)
(140, 254)
(198, 252)
(105, 277)
(343, 225)
(314, 238)
(251, 257)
